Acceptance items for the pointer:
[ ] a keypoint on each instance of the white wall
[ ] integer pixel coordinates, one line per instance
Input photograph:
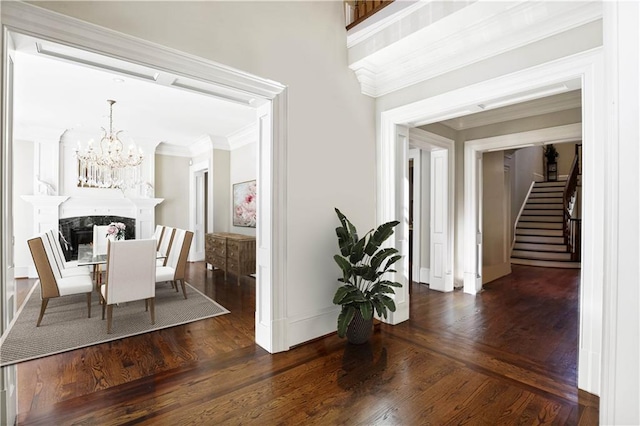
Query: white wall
(243, 167)
(331, 132)
(23, 160)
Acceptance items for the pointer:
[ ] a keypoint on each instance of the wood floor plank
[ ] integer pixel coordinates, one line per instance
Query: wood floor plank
(506, 356)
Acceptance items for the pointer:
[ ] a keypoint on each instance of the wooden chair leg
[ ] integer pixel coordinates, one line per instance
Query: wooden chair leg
(43, 306)
(109, 318)
(184, 288)
(89, 303)
(152, 304)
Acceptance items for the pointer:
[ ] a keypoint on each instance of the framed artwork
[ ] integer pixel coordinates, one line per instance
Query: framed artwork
(244, 204)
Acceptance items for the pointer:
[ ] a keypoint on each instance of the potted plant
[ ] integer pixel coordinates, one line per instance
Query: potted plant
(363, 264)
(550, 153)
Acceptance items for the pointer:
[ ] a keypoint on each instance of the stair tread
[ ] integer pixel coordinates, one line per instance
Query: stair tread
(540, 239)
(539, 232)
(540, 255)
(546, 263)
(541, 247)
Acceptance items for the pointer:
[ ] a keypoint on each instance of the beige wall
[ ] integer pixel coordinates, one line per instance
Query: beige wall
(221, 181)
(566, 154)
(172, 184)
(495, 233)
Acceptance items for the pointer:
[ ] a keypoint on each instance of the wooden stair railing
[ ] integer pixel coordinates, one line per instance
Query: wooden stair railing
(362, 9)
(572, 226)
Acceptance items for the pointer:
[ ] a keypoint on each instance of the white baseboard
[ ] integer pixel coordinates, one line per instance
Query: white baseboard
(424, 275)
(493, 272)
(21, 272)
(304, 328)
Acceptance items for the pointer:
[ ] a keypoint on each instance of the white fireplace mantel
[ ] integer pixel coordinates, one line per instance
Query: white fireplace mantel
(45, 211)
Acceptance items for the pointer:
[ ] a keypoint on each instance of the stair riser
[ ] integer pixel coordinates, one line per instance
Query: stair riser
(542, 212)
(555, 248)
(543, 206)
(557, 200)
(539, 232)
(546, 189)
(559, 183)
(538, 225)
(539, 239)
(526, 254)
(552, 219)
(545, 194)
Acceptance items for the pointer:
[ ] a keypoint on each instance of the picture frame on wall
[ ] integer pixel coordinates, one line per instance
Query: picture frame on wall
(244, 204)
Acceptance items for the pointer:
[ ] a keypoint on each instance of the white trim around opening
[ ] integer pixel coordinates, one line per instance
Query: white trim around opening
(588, 68)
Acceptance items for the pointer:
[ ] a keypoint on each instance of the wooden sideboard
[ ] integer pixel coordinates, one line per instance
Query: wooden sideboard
(231, 252)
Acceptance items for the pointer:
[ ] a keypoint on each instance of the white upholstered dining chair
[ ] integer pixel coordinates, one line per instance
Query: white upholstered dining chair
(52, 283)
(166, 243)
(157, 235)
(176, 264)
(131, 276)
(67, 269)
(100, 239)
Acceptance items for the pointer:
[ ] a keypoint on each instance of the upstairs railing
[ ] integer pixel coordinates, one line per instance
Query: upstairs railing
(572, 226)
(359, 10)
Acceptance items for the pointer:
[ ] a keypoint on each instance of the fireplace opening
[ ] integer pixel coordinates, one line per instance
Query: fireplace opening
(75, 231)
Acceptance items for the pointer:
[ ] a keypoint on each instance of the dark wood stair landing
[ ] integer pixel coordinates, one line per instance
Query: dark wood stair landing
(505, 356)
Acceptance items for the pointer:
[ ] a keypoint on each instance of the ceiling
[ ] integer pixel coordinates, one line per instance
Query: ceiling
(58, 88)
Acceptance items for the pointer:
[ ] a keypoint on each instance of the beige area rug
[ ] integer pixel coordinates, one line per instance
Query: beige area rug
(65, 325)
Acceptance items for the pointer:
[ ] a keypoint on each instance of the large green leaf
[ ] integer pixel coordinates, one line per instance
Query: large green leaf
(381, 255)
(357, 251)
(391, 283)
(344, 241)
(391, 261)
(345, 317)
(366, 310)
(348, 226)
(383, 232)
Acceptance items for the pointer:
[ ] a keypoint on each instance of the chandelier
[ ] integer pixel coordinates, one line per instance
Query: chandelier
(108, 165)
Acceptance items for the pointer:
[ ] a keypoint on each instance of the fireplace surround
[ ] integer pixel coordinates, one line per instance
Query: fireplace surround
(52, 211)
(79, 230)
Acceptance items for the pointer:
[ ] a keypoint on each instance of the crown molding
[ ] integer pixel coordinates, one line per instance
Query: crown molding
(243, 137)
(398, 55)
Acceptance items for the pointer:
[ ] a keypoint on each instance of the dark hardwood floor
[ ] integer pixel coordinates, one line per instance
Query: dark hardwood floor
(507, 356)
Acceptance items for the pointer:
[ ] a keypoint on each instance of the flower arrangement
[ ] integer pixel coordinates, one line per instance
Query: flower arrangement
(116, 230)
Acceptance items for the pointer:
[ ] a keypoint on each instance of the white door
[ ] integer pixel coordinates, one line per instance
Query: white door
(439, 236)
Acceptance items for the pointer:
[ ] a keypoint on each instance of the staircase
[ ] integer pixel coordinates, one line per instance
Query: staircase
(539, 233)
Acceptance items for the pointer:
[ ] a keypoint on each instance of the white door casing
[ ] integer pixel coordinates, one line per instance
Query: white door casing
(8, 375)
(446, 180)
(269, 95)
(416, 263)
(197, 199)
(588, 68)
